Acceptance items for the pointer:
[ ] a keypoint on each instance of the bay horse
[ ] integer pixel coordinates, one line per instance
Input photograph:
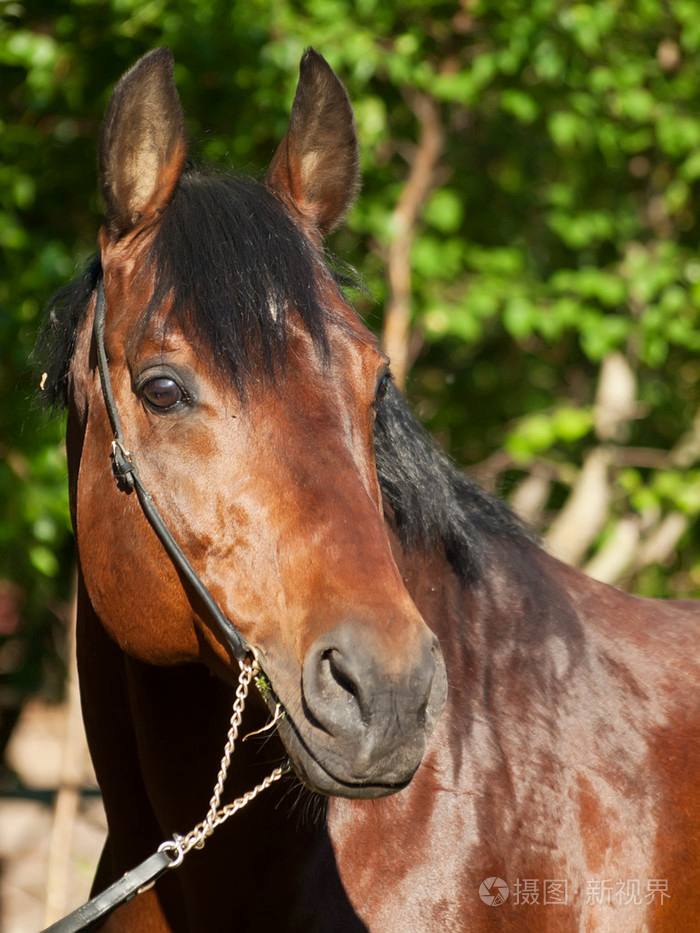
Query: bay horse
(482, 738)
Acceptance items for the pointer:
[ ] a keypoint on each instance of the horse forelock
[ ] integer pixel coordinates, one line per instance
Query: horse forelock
(231, 267)
(234, 268)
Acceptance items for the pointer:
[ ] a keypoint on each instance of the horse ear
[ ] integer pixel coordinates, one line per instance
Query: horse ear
(143, 144)
(316, 166)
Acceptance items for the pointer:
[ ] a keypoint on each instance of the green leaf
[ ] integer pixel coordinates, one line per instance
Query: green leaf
(519, 317)
(533, 435)
(444, 210)
(43, 560)
(568, 129)
(571, 424)
(523, 107)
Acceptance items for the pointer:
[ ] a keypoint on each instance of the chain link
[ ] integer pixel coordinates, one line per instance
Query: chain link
(179, 846)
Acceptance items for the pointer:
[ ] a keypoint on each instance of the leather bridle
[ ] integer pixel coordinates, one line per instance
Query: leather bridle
(171, 853)
(128, 479)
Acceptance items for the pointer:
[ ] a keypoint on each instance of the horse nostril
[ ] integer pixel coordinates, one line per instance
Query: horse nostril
(337, 670)
(340, 681)
(337, 691)
(347, 689)
(340, 674)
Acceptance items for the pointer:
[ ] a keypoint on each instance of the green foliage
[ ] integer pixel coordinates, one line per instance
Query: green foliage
(563, 224)
(541, 432)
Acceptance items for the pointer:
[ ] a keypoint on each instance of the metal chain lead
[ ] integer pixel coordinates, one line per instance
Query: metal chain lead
(216, 814)
(247, 674)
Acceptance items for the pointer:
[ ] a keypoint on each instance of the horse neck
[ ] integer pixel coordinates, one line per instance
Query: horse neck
(517, 625)
(538, 655)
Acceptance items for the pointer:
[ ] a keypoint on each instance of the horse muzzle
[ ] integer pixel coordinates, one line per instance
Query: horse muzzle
(364, 719)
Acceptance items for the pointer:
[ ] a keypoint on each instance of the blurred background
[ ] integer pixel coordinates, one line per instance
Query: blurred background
(528, 233)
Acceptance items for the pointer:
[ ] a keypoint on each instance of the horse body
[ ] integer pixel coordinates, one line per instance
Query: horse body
(366, 571)
(566, 752)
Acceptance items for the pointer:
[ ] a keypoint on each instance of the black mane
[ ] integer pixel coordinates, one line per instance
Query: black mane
(234, 266)
(430, 502)
(56, 341)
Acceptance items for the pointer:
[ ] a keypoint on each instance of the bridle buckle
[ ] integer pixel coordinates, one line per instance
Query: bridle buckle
(122, 466)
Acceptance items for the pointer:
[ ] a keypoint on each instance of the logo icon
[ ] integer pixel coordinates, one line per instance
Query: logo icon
(493, 891)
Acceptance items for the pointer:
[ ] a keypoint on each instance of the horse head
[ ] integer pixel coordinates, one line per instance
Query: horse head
(248, 390)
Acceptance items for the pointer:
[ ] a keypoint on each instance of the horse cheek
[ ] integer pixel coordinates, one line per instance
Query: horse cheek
(132, 585)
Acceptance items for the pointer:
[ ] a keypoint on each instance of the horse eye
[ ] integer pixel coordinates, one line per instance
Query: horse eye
(162, 392)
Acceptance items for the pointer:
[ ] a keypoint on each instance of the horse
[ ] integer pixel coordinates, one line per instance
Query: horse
(480, 737)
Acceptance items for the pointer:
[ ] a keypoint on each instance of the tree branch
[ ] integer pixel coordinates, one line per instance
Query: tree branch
(68, 794)
(585, 511)
(397, 318)
(618, 553)
(530, 497)
(659, 545)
